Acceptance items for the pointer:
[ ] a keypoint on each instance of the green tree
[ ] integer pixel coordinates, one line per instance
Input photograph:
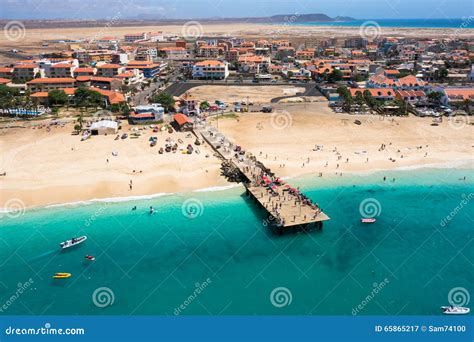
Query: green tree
(369, 99)
(435, 97)
(346, 97)
(204, 105)
(335, 76)
(57, 97)
(166, 100)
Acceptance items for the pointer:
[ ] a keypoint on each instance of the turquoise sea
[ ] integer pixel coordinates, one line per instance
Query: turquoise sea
(459, 23)
(217, 257)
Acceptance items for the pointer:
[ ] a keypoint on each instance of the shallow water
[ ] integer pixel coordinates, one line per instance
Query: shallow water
(224, 260)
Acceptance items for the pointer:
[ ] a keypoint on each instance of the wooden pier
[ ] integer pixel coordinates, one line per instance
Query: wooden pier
(286, 206)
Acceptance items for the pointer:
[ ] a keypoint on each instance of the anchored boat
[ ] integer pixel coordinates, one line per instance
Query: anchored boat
(61, 275)
(73, 242)
(455, 310)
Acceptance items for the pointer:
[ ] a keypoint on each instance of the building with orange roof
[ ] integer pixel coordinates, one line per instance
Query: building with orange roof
(109, 97)
(26, 72)
(307, 54)
(381, 94)
(211, 69)
(210, 51)
(109, 70)
(60, 70)
(148, 69)
(4, 81)
(6, 72)
(175, 52)
(253, 64)
(86, 71)
(47, 84)
(409, 82)
(182, 123)
(411, 95)
(459, 96)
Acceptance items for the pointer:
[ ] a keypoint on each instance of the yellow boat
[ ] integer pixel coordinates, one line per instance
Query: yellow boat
(61, 275)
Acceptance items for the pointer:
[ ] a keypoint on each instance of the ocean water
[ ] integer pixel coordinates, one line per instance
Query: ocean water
(210, 253)
(467, 22)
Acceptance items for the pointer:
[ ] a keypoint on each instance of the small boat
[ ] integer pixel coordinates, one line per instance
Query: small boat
(86, 135)
(455, 310)
(358, 122)
(368, 220)
(90, 257)
(62, 275)
(73, 242)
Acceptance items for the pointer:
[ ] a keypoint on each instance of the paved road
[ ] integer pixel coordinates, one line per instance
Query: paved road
(140, 98)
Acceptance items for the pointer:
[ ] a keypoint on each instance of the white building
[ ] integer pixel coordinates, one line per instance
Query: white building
(211, 69)
(104, 127)
(133, 37)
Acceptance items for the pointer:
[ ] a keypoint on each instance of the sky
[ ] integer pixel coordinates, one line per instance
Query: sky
(186, 9)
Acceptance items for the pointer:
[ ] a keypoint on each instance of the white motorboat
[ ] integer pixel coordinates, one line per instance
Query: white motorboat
(455, 310)
(73, 242)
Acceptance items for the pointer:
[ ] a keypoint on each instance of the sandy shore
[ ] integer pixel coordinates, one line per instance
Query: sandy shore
(45, 168)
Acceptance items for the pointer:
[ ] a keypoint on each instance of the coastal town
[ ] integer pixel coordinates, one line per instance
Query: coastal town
(239, 163)
(154, 89)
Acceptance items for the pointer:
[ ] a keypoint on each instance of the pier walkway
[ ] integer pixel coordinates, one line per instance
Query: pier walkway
(286, 205)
